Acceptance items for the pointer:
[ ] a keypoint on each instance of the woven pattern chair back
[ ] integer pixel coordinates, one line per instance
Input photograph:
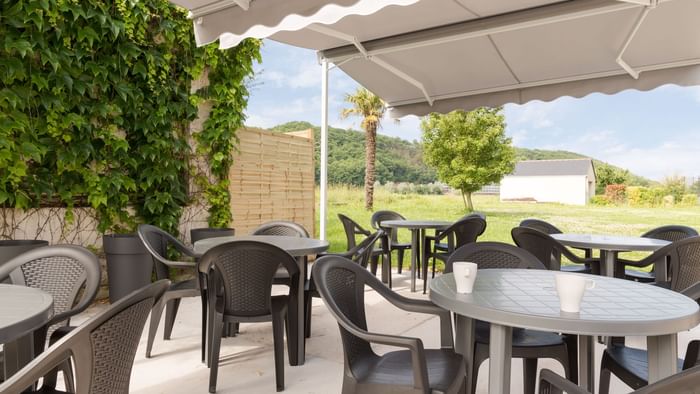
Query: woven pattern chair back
(489, 255)
(540, 225)
(246, 270)
(102, 349)
(289, 229)
(466, 230)
(381, 216)
(671, 233)
(685, 263)
(343, 285)
(540, 244)
(62, 271)
(156, 241)
(351, 229)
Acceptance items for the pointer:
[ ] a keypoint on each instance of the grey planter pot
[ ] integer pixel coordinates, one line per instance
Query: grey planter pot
(129, 265)
(197, 234)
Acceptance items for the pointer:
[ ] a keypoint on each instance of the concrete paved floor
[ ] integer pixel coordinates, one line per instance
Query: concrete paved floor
(247, 360)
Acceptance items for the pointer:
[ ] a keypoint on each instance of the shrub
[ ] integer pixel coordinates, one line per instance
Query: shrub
(636, 195)
(689, 200)
(615, 193)
(668, 200)
(601, 200)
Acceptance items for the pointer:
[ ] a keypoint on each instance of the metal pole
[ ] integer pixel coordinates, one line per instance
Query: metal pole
(324, 149)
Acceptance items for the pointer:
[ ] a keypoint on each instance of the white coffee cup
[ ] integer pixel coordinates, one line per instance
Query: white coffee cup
(570, 289)
(465, 275)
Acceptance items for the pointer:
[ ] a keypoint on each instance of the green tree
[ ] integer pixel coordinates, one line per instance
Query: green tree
(468, 149)
(609, 175)
(371, 109)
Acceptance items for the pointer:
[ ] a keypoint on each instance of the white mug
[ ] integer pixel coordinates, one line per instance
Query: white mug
(465, 275)
(570, 289)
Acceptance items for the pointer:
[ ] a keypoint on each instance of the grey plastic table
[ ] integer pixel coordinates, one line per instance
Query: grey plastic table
(417, 228)
(528, 299)
(610, 245)
(22, 310)
(295, 246)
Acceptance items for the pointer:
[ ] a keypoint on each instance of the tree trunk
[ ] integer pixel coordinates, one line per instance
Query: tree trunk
(370, 156)
(467, 198)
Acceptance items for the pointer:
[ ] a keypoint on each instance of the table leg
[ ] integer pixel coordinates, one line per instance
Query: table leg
(296, 318)
(661, 270)
(415, 250)
(464, 345)
(662, 354)
(607, 259)
(500, 351)
(386, 260)
(586, 362)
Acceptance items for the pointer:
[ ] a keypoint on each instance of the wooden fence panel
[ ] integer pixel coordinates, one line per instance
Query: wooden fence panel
(272, 178)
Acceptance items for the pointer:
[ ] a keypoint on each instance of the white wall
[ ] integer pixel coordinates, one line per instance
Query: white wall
(561, 189)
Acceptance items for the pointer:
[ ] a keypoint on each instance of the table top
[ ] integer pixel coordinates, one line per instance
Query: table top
(416, 224)
(22, 310)
(528, 299)
(296, 246)
(610, 242)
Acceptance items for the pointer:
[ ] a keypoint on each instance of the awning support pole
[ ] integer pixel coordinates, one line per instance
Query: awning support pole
(638, 23)
(323, 181)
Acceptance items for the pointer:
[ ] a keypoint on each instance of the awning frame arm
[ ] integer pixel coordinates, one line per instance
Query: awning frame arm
(630, 36)
(208, 9)
(381, 63)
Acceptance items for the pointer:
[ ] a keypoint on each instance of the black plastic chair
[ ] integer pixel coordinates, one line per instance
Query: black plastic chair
(630, 364)
(464, 231)
(280, 227)
(157, 241)
(392, 241)
(549, 228)
(352, 230)
(360, 254)
(667, 233)
(341, 284)
(245, 270)
(684, 382)
(71, 274)
(102, 349)
(549, 251)
(530, 345)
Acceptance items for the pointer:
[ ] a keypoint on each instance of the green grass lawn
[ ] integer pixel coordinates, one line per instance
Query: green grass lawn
(501, 216)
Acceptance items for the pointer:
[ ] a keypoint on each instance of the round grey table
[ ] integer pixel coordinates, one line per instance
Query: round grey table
(295, 246)
(610, 245)
(22, 310)
(417, 228)
(528, 299)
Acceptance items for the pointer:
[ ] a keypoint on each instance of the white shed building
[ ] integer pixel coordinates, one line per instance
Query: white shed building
(561, 181)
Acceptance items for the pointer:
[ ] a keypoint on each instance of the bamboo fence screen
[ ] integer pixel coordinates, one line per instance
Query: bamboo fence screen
(272, 178)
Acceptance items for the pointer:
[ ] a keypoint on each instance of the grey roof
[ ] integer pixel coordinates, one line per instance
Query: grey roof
(552, 167)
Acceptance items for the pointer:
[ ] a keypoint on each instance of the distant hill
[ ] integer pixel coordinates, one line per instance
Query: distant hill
(399, 160)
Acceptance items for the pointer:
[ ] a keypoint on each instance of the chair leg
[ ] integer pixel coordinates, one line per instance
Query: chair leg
(156, 313)
(215, 349)
(170, 314)
(529, 375)
(604, 383)
(204, 324)
(278, 343)
(374, 262)
(308, 301)
(572, 356)
(400, 253)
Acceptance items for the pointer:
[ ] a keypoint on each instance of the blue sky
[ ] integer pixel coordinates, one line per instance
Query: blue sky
(653, 134)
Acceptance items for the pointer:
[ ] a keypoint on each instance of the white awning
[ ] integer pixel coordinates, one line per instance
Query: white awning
(425, 56)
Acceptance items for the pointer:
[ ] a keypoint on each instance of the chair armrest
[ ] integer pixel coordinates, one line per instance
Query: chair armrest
(36, 369)
(551, 383)
(420, 306)
(693, 291)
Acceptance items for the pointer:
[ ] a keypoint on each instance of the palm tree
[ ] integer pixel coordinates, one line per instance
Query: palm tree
(371, 109)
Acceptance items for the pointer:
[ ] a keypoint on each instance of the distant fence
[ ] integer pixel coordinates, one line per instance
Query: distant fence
(490, 189)
(272, 178)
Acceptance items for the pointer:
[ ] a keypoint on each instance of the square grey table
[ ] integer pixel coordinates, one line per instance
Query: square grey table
(527, 298)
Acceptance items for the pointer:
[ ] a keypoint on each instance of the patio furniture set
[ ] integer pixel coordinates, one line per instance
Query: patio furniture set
(513, 310)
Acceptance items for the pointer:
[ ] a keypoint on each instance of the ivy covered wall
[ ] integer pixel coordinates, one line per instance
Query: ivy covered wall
(95, 107)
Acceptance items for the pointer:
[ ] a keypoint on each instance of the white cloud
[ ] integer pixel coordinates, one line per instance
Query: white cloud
(519, 136)
(535, 114)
